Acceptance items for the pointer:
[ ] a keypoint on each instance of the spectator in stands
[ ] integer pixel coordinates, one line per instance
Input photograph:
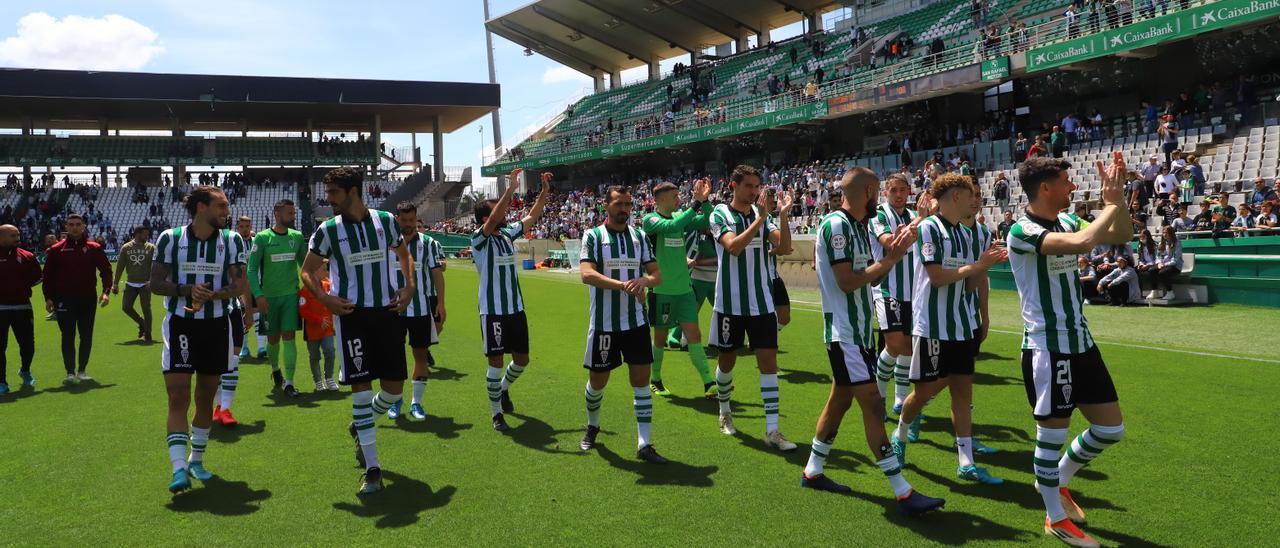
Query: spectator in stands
(1121, 283)
(1168, 133)
(1069, 17)
(1243, 221)
(1088, 279)
(1020, 147)
(1168, 264)
(1003, 228)
(1197, 174)
(1266, 218)
(1146, 253)
(1149, 172)
(1000, 191)
(1261, 193)
(1203, 221)
(1223, 207)
(1166, 184)
(1038, 149)
(1057, 142)
(1186, 186)
(1082, 211)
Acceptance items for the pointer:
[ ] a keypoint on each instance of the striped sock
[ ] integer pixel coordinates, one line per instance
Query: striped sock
(769, 393)
(964, 449)
(384, 401)
(513, 373)
(884, 371)
(889, 465)
(643, 405)
(178, 449)
(594, 399)
(818, 457)
(362, 414)
(902, 378)
(698, 355)
(1086, 447)
(655, 371)
(199, 442)
(901, 431)
(493, 382)
(419, 386)
(724, 390)
(1045, 463)
(229, 382)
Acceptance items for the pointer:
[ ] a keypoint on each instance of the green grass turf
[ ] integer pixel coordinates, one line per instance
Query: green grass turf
(89, 463)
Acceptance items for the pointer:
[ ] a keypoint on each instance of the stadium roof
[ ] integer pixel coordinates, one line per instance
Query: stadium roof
(68, 99)
(604, 35)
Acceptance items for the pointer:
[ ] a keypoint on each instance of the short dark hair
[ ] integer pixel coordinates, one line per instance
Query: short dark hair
(663, 187)
(283, 203)
(202, 194)
(244, 218)
(484, 209)
(615, 189)
(406, 207)
(345, 177)
(896, 178)
(140, 228)
(1038, 170)
(743, 171)
(75, 216)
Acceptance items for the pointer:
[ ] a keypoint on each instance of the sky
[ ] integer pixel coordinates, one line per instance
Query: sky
(427, 40)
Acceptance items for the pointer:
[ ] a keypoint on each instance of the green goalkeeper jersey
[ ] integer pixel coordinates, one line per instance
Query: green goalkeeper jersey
(274, 259)
(666, 235)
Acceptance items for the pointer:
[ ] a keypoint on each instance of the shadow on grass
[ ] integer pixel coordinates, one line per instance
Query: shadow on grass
(80, 387)
(1021, 493)
(443, 427)
(795, 376)
(136, 342)
(537, 434)
(305, 400)
(19, 392)
(708, 406)
(221, 434)
(987, 379)
(1121, 538)
(984, 355)
(400, 503)
(945, 526)
(440, 374)
(673, 472)
(220, 497)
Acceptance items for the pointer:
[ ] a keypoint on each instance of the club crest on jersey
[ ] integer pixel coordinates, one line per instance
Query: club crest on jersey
(359, 363)
(1066, 392)
(927, 249)
(838, 241)
(186, 355)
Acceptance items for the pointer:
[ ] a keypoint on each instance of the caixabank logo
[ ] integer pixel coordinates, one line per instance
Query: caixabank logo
(1065, 54)
(1233, 12)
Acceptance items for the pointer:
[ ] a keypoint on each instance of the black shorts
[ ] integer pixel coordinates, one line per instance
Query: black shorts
(977, 344)
(851, 365)
(728, 331)
(194, 345)
(237, 327)
(893, 315)
(935, 359)
(370, 346)
(779, 290)
(421, 330)
(505, 333)
(606, 350)
(1056, 383)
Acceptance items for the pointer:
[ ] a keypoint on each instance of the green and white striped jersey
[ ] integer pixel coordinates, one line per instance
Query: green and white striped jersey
(358, 250)
(1049, 287)
(495, 258)
(621, 256)
(846, 317)
(194, 261)
(899, 283)
(742, 282)
(421, 252)
(941, 312)
(979, 242)
(699, 246)
(773, 259)
(435, 250)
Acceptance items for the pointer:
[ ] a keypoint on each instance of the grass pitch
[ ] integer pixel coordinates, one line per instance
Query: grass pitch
(89, 462)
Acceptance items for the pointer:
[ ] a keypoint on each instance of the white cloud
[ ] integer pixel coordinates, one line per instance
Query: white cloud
(112, 42)
(556, 75)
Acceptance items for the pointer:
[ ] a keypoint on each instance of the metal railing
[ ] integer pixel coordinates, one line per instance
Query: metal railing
(1055, 30)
